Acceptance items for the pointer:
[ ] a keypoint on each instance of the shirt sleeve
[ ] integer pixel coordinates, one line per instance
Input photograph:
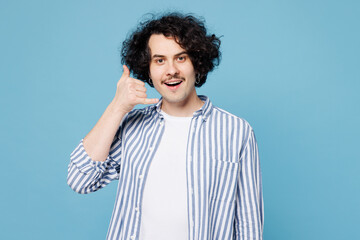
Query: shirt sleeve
(249, 209)
(86, 175)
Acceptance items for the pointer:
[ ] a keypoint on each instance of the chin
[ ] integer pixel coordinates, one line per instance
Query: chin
(174, 99)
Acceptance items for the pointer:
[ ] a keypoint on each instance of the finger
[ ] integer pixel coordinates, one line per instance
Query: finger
(139, 82)
(150, 101)
(141, 94)
(140, 88)
(126, 72)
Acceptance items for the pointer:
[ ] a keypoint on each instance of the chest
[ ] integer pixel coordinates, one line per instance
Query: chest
(211, 153)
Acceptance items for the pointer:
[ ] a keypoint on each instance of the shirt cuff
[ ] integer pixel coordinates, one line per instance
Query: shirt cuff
(84, 163)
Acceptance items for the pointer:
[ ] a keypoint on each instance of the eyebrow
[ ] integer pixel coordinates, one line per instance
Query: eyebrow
(160, 56)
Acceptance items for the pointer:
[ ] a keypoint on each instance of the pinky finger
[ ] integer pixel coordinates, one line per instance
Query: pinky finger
(150, 100)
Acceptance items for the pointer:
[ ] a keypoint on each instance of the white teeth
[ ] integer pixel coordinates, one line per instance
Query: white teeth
(173, 83)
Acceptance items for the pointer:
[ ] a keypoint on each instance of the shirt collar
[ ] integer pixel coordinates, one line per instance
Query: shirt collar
(204, 111)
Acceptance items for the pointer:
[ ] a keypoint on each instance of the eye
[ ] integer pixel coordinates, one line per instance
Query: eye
(159, 61)
(181, 59)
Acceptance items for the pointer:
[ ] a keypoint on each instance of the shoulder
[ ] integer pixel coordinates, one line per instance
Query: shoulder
(139, 114)
(227, 116)
(237, 126)
(134, 119)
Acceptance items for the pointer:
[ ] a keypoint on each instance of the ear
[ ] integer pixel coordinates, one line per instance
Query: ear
(149, 80)
(197, 78)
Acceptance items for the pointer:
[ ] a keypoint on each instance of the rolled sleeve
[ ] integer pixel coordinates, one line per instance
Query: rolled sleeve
(84, 163)
(86, 175)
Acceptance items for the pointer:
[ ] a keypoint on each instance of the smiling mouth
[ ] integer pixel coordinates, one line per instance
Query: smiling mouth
(172, 84)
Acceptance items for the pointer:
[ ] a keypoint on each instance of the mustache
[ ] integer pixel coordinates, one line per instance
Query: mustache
(176, 76)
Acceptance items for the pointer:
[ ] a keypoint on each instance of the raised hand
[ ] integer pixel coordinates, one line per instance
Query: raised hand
(130, 92)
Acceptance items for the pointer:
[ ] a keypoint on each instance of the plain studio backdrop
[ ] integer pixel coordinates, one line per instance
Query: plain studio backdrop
(290, 68)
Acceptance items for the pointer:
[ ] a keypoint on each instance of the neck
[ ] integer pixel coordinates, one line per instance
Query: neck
(184, 108)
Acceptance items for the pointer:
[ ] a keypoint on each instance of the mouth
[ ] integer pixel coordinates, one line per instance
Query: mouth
(173, 84)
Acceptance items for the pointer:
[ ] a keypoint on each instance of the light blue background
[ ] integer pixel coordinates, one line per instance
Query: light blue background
(290, 68)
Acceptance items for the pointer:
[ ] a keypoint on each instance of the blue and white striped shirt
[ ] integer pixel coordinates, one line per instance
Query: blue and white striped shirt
(222, 167)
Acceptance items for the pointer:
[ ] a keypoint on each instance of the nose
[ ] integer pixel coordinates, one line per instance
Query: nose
(172, 69)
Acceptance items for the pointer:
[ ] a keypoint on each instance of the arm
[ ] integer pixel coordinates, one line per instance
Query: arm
(249, 210)
(86, 175)
(95, 161)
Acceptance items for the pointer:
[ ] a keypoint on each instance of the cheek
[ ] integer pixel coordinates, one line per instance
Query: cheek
(155, 73)
(189, 70)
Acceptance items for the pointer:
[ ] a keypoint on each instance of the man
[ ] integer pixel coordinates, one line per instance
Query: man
(186, 169)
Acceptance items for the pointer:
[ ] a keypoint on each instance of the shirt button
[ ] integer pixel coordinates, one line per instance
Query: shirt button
(137, 209)
(150, 149)
(141, 176)
(132, 237)
(161, 123)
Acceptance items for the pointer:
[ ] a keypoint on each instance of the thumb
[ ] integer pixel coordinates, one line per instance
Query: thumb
(126, 72)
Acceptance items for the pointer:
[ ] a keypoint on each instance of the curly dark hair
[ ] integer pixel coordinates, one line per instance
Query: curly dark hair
(188, 31)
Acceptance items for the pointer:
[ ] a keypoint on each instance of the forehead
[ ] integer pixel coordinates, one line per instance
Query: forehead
(161, 45)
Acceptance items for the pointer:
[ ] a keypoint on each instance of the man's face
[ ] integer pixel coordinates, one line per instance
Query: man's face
(171, 70)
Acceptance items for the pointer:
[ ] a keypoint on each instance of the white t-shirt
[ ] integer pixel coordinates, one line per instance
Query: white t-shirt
(164, 204)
